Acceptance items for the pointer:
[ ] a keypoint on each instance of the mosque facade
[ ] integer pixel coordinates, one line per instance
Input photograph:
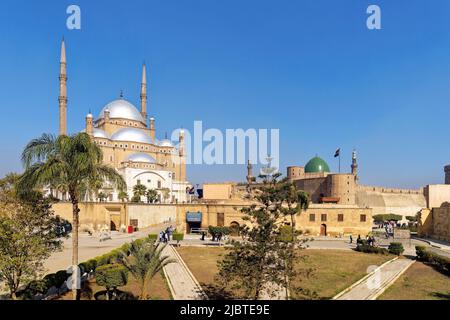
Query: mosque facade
(129, 144)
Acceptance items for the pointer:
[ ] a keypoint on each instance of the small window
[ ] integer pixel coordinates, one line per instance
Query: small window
(362, 218)
(159, 184)
(340, 217)
(323, 217)
(312, 217)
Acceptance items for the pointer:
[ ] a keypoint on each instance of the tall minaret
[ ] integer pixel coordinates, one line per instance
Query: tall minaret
(144, 94)
(249, 172)
(354, 164)
(63, 91)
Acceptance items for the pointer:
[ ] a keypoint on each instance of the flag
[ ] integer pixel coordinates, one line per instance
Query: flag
(337, 153)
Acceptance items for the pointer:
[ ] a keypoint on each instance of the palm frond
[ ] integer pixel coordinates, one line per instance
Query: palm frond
(37, 150)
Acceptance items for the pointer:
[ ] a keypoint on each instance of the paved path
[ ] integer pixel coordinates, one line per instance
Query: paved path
(376, 282)
(182, 282)
(90, 247)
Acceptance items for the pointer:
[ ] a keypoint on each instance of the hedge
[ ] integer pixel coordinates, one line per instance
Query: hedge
(153, 237)
(371, 249)
(111, 276)
(440, 262)
(396, 248)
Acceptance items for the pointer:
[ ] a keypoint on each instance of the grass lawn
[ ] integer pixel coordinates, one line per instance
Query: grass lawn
(159, 289)
(419, 282)
(334, 270)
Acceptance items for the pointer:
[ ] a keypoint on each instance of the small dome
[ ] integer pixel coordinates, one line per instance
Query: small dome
(316, 165)
(122, 109)
(131, 135)
(166, 143)
(140, 157)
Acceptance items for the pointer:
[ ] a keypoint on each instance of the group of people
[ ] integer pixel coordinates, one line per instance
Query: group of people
(369, 239)
(166, 235)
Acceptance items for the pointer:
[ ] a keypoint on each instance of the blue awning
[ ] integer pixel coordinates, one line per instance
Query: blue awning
(194, 217)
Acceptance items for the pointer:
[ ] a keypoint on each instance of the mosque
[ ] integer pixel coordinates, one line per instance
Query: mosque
(129, 144)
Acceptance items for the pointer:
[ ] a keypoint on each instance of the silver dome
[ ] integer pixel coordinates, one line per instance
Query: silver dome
(132, 135)
(122, 109)
(166, 143)
(140, 157)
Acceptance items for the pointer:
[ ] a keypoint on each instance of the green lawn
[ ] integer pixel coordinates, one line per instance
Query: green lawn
(333, 270)
(419, 282)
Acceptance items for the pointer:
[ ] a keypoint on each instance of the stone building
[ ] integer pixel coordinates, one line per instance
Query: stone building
(129, 144)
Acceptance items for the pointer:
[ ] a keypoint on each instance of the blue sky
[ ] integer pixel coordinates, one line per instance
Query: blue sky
(310, 68)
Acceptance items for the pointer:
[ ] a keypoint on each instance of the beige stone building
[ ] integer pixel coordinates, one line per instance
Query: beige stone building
(129, 144)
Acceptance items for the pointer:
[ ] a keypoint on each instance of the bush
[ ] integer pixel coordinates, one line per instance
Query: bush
(38, 286)
(396, 248)
(51, 280)
(178, 237)
(153, 237)
(439, 262)
(61, 277)
(285, 234)
(111, 276)
(371, 249)
(219, 230)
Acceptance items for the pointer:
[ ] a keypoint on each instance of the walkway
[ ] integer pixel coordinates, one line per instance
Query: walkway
(182, 282)
(376, 282)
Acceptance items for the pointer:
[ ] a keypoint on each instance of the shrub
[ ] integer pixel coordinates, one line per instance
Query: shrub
(51, 280)
(371, 249)
(178, 237)
(91, 265)
(396, 248)
(38, 286)
(111, 276)
(153, 237)
(61, 277)
(420, 251)
(285, 234)
(439, 262)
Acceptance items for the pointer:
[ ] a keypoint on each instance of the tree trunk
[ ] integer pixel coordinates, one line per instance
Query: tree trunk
(75, 226)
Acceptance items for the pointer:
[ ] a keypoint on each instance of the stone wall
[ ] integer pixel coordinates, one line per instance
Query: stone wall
(435, 223)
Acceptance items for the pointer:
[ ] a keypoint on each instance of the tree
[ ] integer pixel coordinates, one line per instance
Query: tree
(144, 260)
(111, 276)
(139, 191)
(152, 196)
(166, 194)
(102, 196)
(122, 196)
(73, 161)
(29, 233)
(265, 261)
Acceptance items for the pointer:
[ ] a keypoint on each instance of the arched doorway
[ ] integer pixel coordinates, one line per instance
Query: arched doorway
(113, 226)
(234, 229)
(323, 230)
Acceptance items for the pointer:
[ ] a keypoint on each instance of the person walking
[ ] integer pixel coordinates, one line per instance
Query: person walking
(351, 239)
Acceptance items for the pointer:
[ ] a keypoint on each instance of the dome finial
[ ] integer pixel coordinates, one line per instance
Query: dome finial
(121, 93)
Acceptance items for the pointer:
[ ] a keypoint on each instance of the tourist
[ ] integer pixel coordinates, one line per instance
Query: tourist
(358, 240)
(351, 239)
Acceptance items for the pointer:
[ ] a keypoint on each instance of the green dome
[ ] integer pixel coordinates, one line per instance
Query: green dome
(316, 165)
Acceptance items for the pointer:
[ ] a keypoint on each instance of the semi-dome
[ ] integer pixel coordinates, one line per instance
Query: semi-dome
(98, 133)
(140, 157)
(122, 109)
(131, 135)
(165, 143)
(316, 165)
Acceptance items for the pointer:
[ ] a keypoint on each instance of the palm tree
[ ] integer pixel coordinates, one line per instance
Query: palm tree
(122, 196)
(139, 191)
(144, 261)
(152, 195)
(74, 162)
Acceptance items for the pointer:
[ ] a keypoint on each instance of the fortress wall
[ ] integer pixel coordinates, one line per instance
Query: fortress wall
(437, 194)
(404, 204)
(149, 215)
(314, 187)
(389, 190)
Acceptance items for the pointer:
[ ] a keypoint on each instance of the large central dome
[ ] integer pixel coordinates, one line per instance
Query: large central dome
(316, 165)
(123, 109)
(131, 135)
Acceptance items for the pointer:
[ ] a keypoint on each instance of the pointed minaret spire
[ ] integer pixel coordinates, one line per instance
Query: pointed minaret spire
(63, 91)
(144, 93)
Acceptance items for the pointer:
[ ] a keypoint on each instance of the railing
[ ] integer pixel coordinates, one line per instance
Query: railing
(199, 230)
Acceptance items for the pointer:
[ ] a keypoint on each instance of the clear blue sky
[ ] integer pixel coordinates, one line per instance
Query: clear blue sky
(310, 68)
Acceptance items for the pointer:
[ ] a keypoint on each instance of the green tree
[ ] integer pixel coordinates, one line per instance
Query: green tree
(139, 191)
(28, 234)
(152, 196)
(122, 196)
(102, 196)
(74, 161)
(144, 260)
(111, 276)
